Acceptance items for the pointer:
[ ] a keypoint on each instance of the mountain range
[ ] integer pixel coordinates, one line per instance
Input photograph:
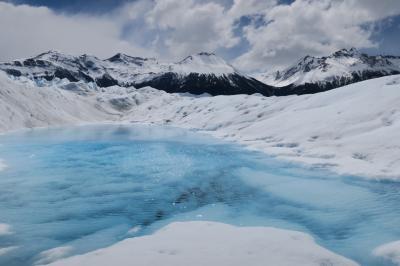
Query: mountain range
(315, 74)
(205, 72)
(196, 74)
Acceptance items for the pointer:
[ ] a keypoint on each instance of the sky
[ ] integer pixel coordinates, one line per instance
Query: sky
(253, 35)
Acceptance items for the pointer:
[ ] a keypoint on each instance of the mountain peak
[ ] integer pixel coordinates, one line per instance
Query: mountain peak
(205, 54)
(202, 56)
(306, 60)
(346, 52)
(342, 67)
(124, 58)
(49, 54)
(205, 63)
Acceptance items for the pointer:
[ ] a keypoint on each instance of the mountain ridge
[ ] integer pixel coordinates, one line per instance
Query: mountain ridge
(204, 72)
(198, 73)
(315, 74)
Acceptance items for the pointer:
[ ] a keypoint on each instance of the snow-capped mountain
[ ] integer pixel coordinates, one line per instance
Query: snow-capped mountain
(198, 73)
(205, 72)
(316, 74)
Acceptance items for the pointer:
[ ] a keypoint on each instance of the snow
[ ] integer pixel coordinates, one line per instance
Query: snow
(134, 230)
(4, 251)
(53, 254)
(341, 65)
(23, 105)
(349, 130)
(389, 251)
(126, 69)
(203, 63)
(212, 243)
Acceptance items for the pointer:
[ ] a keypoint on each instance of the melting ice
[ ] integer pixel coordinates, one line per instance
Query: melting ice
(71, 190)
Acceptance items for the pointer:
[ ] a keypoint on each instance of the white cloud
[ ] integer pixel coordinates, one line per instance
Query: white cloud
(28, 31)
(191, 26)
(172, 29)
(316, 27)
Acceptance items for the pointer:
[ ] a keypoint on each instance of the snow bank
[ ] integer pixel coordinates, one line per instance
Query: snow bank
(211, 243)
(349, 130)
(389, 251)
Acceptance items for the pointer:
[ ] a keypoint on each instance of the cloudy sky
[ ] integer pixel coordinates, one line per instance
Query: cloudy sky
(253, 35)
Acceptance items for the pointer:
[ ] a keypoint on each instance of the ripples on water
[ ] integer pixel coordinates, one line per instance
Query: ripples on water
(86, 187)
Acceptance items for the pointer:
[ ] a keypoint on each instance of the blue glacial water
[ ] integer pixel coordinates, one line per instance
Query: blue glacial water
(88, 187)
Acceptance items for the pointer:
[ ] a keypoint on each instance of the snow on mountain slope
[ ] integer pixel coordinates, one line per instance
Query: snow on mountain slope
(350, 130)
(341, 68)
(199, 73)
(203, 63)
(120, 69)
(204, 73)
(212, 243)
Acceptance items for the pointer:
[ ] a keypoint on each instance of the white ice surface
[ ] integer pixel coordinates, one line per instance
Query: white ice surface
(389, 251)
(211, 243)
(53, 254)
(4, 251)
(23, 105)
(5, 229)
(350, 130)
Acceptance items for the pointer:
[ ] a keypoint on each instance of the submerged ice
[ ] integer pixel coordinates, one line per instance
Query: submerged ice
(71, 190)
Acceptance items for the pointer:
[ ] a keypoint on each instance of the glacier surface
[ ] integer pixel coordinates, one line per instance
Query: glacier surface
(72, 190)
(346, 130)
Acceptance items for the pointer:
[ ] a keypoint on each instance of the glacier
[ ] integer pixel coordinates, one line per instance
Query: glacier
(351, 131)
(72, 190)
(346, 130)
(174, 245)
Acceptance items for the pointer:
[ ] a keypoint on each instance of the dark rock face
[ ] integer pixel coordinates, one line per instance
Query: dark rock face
(63, 73)
(126, 59)
(17, 63)
(13, 72)
(201, 83)
(106, 81)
